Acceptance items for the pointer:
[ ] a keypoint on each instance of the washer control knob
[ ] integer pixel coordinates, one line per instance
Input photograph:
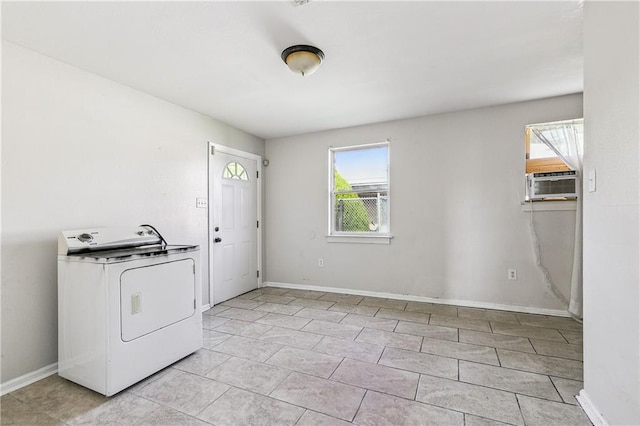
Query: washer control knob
(141, 233)
(85, 238)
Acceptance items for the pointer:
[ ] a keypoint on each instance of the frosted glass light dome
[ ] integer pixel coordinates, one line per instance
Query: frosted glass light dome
(302, 59)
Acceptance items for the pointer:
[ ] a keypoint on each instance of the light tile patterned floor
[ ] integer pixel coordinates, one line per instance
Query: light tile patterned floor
(296, 357)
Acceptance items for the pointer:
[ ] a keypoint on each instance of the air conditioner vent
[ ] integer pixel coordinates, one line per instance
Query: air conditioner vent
(550, 185)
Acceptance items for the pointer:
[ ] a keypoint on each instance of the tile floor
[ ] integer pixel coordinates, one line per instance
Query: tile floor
(282, 357)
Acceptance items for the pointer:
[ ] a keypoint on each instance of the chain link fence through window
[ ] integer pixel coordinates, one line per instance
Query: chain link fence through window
(361, 214)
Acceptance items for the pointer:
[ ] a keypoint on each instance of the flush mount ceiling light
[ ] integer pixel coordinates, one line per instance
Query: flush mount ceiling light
(302, 59)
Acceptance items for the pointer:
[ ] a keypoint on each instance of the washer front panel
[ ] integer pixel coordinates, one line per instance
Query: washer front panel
(157, 296)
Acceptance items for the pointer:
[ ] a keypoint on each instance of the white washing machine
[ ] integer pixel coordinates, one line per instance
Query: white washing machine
(128, 305)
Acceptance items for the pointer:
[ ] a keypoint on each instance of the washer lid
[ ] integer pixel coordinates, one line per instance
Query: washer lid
(128, 254)
(99, 239)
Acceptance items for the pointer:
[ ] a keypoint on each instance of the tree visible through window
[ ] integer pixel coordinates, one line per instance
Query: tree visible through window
(359, 200)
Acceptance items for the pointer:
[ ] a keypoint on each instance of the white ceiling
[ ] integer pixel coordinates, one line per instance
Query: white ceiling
(384, 60)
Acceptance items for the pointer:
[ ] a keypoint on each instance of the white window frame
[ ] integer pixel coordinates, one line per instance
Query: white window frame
(357, 237)
(546, 164)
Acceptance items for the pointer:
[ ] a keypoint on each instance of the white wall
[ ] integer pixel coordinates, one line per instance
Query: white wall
(456, 216)
(611, 214)
(82, 151)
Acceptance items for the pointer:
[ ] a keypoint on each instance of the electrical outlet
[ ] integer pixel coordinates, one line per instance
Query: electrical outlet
(512, 274)
(321, 263)
(202, 203)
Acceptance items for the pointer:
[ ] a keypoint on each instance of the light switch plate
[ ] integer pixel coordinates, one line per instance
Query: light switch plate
(591, 180)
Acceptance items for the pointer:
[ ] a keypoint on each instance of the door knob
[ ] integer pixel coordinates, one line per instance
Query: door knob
(217, 240)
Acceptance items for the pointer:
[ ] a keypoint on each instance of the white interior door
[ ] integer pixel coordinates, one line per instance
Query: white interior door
(233, 204)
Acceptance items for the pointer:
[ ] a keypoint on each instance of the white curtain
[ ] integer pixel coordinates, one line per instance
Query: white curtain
(566, 140)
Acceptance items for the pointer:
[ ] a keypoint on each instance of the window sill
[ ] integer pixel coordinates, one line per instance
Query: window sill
(549, 205)
(360, 239)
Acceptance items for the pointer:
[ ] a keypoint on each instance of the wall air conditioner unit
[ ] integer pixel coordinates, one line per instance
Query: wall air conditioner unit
(552, 185)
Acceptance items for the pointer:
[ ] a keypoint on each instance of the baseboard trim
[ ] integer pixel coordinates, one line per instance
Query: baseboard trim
(590, 410)
(205, 307)
(27, 379)
(462, 303)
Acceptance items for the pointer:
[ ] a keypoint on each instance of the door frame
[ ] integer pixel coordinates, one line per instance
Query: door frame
(211, 149)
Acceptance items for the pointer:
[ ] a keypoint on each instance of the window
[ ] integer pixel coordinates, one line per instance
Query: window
(553, 160)
(235, 170)
(539, 157)
(359, 190)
